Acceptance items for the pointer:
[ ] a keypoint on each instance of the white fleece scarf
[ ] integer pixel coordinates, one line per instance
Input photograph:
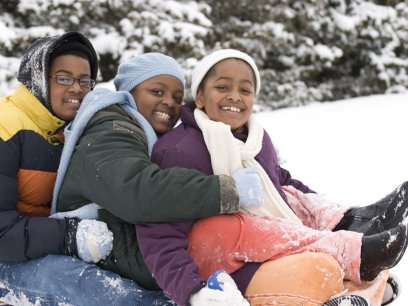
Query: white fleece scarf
(229, 154)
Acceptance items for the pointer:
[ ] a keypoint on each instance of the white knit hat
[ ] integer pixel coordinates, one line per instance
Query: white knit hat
(145, 66)
(210, 60)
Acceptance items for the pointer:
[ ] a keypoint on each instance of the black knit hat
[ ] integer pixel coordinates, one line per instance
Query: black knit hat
(34, 67)
(78, 48)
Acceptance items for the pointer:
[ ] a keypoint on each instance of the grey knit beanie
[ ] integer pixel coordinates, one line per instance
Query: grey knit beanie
(145, 66)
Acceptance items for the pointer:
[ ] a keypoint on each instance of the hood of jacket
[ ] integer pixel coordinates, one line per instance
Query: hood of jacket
(34, 67)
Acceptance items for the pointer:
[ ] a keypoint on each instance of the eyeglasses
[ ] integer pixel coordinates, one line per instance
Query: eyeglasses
(68, 81)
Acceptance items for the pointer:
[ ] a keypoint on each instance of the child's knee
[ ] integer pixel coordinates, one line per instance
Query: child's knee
(305, 279)
(323, 264)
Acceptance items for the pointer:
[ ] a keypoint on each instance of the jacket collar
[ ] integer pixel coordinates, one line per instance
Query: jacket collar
(36, 111)
(187, 117)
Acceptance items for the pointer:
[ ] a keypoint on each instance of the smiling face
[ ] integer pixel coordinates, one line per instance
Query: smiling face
(159, 99)
(65, 100)
(227, 93)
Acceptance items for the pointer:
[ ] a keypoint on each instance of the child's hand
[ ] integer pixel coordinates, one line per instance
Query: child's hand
(90, 240)
(249, 188)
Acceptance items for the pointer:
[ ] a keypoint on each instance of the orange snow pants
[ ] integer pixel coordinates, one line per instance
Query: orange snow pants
(305, 279)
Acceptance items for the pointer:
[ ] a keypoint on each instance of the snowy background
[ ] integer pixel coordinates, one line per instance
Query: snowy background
(306, 51)
(355, 151)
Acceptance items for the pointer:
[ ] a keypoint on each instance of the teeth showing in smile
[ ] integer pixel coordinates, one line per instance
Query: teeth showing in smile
(232, 109)
(162, 115)
(74, 101)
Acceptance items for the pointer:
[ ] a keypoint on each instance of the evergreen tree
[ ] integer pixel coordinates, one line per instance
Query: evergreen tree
(306, 50)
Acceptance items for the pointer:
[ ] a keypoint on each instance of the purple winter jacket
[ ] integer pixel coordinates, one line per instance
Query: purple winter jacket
(165, 245)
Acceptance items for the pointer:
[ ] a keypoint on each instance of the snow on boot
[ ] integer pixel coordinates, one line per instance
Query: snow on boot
(383, 215)
(382, 251)
(392, 290)
(347, 300)
(397, 207)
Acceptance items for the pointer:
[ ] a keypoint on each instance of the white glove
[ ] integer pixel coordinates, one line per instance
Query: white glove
(249, 187)
(221, 290)
(94, 240)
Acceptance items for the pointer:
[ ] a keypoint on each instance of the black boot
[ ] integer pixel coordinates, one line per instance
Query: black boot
(382, 251)
(378, 217)
(397, 207)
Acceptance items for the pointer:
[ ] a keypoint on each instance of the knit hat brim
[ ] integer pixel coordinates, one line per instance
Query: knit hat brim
(207, 62)
(78, 48)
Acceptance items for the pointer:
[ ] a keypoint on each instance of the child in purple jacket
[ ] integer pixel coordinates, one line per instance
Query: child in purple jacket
(219, 136)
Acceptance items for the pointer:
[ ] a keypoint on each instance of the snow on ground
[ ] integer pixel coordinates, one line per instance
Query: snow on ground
(355, 151)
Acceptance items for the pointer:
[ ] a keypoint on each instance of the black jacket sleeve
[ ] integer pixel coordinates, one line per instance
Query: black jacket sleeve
(23, 238)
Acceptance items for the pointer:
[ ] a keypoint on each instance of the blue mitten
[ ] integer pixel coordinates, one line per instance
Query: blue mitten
(249, 188)
(94, 240)
(221, 290)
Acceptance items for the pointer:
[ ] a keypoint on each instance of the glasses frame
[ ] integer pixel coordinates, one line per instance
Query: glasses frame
(92, 82)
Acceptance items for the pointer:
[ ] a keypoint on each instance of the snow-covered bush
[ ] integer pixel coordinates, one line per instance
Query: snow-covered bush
(306, 50)
(319, 50)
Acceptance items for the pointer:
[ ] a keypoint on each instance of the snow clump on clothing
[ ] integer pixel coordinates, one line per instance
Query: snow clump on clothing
(94, 240)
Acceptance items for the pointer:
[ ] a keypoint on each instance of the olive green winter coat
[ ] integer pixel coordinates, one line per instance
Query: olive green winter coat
(111, 167)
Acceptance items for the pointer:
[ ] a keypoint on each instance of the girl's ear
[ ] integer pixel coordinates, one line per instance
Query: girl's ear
(199, 101)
